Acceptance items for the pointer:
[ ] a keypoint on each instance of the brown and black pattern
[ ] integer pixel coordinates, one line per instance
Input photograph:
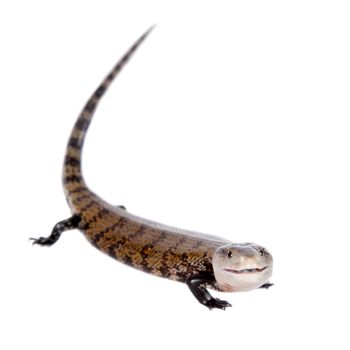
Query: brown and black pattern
(145, 245)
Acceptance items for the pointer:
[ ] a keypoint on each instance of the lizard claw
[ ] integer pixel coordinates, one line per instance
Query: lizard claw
(266, 285)
(215, 303)
(41, 241)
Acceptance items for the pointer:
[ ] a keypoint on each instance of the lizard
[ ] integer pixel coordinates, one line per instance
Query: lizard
(199, 260)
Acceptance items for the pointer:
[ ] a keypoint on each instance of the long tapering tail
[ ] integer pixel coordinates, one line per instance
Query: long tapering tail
(72, 173)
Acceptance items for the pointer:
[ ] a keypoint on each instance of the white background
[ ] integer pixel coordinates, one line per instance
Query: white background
(232, 119)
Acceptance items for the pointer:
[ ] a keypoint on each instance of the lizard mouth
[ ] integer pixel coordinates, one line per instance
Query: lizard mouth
(246, 270)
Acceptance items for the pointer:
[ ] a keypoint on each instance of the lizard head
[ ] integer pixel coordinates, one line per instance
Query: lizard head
(241, 266)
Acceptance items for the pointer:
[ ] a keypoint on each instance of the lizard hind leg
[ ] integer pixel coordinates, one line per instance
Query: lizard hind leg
(64, 225)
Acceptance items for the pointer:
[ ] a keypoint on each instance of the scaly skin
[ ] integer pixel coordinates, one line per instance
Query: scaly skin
(148, 246)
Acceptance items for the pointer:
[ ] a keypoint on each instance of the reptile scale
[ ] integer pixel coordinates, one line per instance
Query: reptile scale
(201, 261)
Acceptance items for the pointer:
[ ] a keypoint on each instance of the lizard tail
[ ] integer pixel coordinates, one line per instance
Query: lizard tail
(73, 181)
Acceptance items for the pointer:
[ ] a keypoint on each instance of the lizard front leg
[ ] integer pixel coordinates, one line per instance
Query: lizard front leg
(197, 284)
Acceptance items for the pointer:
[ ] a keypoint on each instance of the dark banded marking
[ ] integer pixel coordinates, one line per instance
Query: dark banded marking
(90, 106)
(72, 161)
(74, 143)
(112, 249)
(82, 124)
(97, 217)
(119, 224)
(88, 206)
(141, 231)
(77, 200)
(207, 265)
(100, 91)
(85, 226)
(146, 250)
(83, 196)
(184, 257)
(100, 214)
(164, 270)
(110, 76)
(127, 259)
(79, 189)
(72, 178)
(98, 237)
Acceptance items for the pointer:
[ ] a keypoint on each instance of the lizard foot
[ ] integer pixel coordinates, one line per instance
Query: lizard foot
(65, 225)
(215, 303)
(50, 240)
(266, 285)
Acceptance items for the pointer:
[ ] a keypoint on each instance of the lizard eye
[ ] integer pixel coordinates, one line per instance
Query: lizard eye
(229, 255)
(262, 251)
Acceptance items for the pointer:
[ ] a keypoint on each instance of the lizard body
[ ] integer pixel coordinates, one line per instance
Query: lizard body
(200, 260)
